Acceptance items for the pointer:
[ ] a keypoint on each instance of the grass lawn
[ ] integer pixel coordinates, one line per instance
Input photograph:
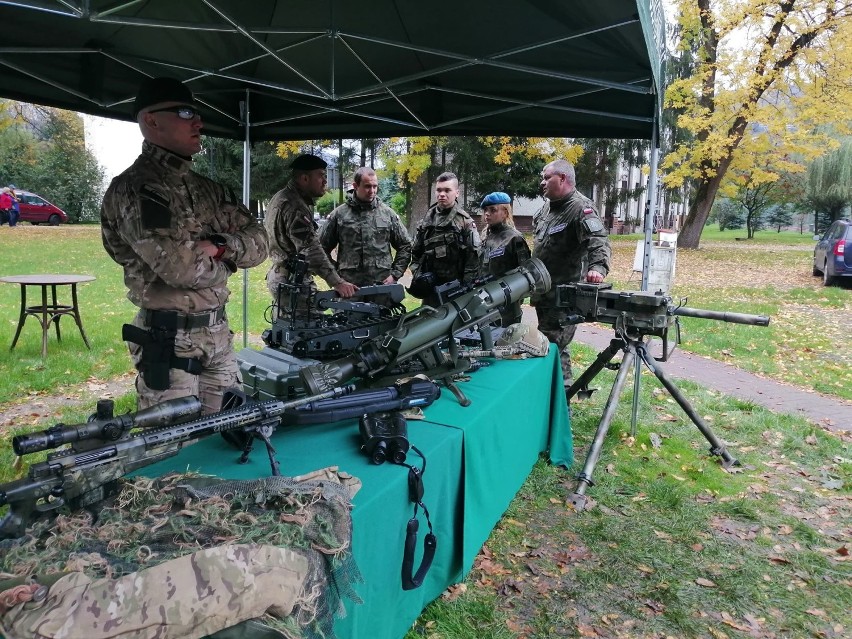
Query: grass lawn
(674, 546)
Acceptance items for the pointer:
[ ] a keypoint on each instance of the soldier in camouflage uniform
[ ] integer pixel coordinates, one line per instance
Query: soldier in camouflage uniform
(571, 240)
(179, 236)
(185, 598)
(364, 230)
(293, 232)
(503, 246)
(446, 242)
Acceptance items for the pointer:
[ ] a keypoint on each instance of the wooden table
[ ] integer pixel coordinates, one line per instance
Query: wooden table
(48, 312)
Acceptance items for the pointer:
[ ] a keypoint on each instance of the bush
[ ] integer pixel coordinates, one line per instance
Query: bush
(327, 203)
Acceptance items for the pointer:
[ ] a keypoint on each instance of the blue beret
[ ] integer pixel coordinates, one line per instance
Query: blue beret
(498, 197)
(308, 163)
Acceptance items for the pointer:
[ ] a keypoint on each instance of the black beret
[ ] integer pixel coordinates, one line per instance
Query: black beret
(308, 163)
(158, 90)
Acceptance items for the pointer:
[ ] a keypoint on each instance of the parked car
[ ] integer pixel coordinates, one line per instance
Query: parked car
(36, 210)
(833, 252)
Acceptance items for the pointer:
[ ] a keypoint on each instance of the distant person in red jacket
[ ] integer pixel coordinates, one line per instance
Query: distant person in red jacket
(6, 206)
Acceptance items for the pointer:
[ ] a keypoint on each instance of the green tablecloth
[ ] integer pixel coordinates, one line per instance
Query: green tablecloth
(477, 459)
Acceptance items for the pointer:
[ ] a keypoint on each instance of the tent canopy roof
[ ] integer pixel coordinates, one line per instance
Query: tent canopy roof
(343, 68)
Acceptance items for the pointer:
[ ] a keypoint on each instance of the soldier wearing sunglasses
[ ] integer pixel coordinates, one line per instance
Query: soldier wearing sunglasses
(178, 236)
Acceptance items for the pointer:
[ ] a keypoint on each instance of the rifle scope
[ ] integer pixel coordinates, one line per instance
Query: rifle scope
(103, 426)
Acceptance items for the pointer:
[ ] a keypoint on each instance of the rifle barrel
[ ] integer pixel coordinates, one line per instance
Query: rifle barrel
(722, 316)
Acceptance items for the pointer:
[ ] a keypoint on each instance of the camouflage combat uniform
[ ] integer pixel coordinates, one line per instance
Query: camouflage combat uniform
(185, 598)
(292, 231)
(151, 218)
(571, 239)
(446, 244)
(364, 234)
(503, 249)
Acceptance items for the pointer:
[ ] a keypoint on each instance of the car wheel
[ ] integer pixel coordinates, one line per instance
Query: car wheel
(35, 223)
(54, 220)
(827, 279)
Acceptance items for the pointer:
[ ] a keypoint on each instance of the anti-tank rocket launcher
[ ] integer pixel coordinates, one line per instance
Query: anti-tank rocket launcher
(418, 335)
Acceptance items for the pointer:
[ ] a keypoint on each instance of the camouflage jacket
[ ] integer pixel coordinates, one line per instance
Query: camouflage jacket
(153, 215)
(446, 243)
(292, 231)
(503, 248)
(364, 234)
(571, 239)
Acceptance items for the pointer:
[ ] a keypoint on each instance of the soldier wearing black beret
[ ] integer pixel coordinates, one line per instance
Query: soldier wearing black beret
(292, 232)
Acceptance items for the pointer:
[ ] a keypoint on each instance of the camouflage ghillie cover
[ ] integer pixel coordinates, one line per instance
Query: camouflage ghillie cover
(187, 556)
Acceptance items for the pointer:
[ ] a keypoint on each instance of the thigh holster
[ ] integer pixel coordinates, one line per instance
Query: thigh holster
(158, 355)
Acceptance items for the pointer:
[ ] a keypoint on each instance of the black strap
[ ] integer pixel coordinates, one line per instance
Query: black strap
(410, 579)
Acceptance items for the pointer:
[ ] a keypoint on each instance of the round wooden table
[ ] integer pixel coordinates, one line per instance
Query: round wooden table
(48, 312)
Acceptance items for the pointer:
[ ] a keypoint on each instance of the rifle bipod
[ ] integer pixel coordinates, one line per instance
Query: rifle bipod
(635, 353)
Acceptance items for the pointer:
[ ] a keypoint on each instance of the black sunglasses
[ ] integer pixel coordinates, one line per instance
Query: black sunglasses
(183, 112)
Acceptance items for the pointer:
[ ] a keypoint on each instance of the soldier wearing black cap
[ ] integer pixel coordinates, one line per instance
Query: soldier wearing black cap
(178, 236)
(293, 233)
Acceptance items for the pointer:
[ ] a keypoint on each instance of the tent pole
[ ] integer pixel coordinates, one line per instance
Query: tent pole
(246, 201)
(650, 208)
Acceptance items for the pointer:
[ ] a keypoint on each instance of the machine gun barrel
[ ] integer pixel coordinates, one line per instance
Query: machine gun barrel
(103, 427)
(722, 316)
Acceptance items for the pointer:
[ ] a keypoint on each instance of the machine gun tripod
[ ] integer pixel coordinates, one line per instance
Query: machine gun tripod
(635, 317)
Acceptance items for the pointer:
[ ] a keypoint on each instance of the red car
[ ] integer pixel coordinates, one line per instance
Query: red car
(36, 210)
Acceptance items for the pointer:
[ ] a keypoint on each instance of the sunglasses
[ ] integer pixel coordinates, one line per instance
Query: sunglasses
(183, 112)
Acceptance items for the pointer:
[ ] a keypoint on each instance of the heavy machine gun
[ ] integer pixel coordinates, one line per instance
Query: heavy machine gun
(102, 451)
(418, 335)
(635, 316)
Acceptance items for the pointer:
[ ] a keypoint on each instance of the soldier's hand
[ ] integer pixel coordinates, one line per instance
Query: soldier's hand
(208, 247)
(389, 280)
(345, 289)
(594, 277)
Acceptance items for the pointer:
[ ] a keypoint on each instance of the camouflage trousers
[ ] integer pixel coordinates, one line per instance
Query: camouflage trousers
(185, 598)
(282, 300)
(213, 346)
(548, 324)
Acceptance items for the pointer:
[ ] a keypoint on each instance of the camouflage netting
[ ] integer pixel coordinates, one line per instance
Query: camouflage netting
(153, 521)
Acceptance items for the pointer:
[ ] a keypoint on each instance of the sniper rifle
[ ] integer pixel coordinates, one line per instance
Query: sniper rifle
(82, 475)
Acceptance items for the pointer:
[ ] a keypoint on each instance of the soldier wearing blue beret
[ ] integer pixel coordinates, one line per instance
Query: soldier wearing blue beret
(503, 246)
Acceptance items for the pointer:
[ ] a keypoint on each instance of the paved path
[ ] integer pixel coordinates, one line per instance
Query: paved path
(831, 413)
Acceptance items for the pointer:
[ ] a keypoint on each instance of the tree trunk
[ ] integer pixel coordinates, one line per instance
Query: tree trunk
(699, 210)
(419, 201)
(363, 153)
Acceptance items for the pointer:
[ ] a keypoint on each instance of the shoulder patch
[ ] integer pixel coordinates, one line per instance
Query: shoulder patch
(588, 211)
(154, 211)
(593, 224)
